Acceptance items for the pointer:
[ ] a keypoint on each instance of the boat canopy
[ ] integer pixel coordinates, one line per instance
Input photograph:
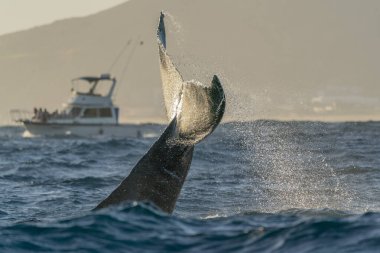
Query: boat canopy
(92, 79)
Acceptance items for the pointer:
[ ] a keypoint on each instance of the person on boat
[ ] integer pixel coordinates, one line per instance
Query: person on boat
(35, 111)
(39, 114)
(45, 115)
(54, 114)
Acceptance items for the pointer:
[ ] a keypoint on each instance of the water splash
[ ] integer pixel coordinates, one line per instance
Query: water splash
(283, 174)
(173, 21)
(286, 172)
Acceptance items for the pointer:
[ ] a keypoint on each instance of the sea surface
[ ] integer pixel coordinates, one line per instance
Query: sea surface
(262, 186)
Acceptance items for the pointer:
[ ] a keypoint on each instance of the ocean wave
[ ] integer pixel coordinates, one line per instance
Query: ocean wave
(261, 186)
(140, 227)
(356, 170)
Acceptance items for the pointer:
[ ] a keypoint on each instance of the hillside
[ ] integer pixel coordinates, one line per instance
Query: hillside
(277, 59)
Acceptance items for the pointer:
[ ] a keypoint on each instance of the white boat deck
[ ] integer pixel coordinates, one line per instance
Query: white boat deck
(86, 113)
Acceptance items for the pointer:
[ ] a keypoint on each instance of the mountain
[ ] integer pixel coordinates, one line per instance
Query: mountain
(277, 59)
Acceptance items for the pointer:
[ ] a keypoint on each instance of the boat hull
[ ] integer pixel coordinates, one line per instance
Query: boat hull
(90, 130)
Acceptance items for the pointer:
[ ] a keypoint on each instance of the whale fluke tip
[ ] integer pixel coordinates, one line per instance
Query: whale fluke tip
(161, 36)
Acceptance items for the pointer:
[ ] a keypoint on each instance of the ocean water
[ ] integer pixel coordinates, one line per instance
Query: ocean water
(262, 186)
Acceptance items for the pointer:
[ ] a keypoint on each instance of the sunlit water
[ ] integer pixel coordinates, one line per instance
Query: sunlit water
(262, 186)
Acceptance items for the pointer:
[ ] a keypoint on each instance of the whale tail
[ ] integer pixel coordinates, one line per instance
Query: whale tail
(194, 111)
(198, 108)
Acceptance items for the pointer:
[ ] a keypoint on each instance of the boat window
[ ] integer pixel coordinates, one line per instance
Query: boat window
(105, 112)
(90, 113)
(75, 111)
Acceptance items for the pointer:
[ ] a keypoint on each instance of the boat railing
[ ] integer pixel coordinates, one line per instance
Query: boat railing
(61, 115)
(19, 116)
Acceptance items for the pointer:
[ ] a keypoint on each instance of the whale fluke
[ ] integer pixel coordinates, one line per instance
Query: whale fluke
(198, 108)
(194, 111)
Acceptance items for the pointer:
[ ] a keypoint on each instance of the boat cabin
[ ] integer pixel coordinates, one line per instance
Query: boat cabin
(85, 107)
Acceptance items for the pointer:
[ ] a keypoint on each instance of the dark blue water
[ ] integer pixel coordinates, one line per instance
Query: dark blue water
(263, 186)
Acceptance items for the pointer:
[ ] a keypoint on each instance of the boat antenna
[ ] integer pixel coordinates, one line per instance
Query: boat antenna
(119, 55)
(125, 67)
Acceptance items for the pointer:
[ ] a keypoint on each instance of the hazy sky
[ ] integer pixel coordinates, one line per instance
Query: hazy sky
(23, 14)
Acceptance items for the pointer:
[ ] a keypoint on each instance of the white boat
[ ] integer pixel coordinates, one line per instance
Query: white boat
(88, 113)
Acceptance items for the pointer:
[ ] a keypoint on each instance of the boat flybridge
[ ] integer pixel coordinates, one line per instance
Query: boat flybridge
(87, 108)
(89, 111)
